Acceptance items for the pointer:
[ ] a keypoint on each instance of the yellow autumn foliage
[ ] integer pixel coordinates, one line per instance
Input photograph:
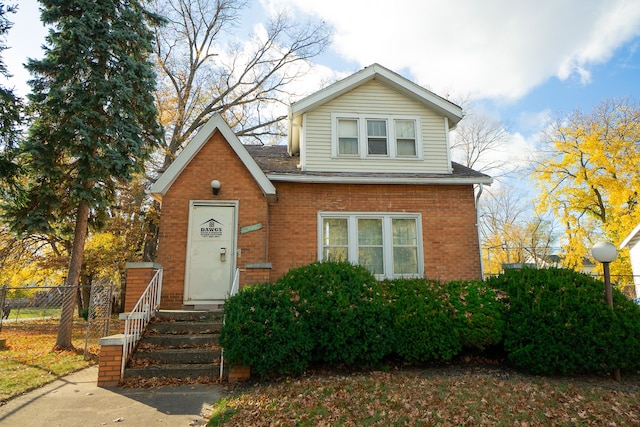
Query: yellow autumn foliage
(588, 178)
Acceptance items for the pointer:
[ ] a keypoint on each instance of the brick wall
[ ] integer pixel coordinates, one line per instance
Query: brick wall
(110, 363)
(450, 237)
(139, 274)
(216, 160)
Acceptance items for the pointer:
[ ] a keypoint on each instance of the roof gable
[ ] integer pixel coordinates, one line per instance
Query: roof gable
(375, 71)
(168, 177)
(631, 238)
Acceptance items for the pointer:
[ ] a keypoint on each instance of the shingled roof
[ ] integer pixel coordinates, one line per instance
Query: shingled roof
(278, 165)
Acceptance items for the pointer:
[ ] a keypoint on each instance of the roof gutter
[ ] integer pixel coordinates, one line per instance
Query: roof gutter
(318, 179)
(480, 189)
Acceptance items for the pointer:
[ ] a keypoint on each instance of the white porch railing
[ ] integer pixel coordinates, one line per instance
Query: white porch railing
(235, 286)
(137, 320)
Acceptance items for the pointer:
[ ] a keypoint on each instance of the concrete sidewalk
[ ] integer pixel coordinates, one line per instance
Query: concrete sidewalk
(76, 401)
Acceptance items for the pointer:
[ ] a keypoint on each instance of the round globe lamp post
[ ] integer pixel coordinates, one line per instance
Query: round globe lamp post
(606, 253)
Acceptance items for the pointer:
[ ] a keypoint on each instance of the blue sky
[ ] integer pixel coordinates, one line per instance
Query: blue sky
(517, 61)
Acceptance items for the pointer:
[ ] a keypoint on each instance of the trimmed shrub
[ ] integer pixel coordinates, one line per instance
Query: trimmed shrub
(559, 323)
(478, 313)
(264, 330)
(424, 328)
(343, 306)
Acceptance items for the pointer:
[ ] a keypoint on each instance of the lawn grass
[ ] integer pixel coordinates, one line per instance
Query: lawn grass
(28, 361)
(35, 313)
(445, 397)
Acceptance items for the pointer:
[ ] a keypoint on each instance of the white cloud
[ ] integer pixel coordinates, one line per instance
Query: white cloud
(497, 49)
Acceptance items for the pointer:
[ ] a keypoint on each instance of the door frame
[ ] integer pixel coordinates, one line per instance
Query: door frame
(232, 255)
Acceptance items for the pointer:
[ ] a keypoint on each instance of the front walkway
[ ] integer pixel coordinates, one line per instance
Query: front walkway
(76, 401)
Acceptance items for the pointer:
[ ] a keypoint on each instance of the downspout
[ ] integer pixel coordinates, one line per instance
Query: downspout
(480, 189)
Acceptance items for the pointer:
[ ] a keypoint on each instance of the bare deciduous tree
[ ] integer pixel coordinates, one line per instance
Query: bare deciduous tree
(202, 71)
(511, 234)
(480, 143)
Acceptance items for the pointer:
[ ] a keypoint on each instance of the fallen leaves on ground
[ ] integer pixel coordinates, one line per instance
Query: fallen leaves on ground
(29, 361)
(141, 382)
(470, 396)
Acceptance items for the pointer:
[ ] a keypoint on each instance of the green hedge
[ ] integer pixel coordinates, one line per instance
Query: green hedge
(264, 330)
(558, 323)
(342, 306)
(329, 313)
(548, 321)
(424, 324)
(478, 313)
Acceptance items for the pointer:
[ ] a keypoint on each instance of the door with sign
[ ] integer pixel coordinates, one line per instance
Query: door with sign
(210, 252)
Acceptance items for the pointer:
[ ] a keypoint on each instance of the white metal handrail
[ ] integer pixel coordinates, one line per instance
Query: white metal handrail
(137, 320)
(234, 290)
(236, 283)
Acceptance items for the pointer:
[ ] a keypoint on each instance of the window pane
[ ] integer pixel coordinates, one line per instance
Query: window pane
(348, 127)
(372, 259)
(405, 129)
(406, 138)
(347, 136)
(377, 146)
(405, 260)
(348, 146)
(370, 250)
(335, 254)
(336, 232)
(377, 128)
(406, 147)
(369, 232)
(377, 136)
(404, 232)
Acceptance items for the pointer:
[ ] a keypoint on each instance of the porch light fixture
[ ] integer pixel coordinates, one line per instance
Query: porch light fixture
(605, 253)
(215, 187)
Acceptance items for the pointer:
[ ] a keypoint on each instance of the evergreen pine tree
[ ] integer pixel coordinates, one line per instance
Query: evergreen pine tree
(10, 108)
(94, 123)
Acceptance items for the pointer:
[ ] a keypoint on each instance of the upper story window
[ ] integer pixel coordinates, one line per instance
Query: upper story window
(348, 136)
(374, 136)
(377, 137)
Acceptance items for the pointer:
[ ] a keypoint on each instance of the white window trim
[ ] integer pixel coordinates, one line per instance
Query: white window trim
(387, 217)
(362, 136)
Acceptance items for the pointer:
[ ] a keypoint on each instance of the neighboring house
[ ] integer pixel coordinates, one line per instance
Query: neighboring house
(366, 177)
(632, 241)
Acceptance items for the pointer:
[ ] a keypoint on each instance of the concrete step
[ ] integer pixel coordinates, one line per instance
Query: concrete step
(179, 344)
(189, 315)
(179, 341)
(177, 356)
(180, 371)
(184, 327)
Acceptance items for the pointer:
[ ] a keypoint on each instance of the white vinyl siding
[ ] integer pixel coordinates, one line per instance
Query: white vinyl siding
(387, 244)
(373, 99)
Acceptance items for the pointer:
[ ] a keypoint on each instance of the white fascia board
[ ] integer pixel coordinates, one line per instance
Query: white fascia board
(315, 179)
(388, 77)
(630, 237)
(162, 185)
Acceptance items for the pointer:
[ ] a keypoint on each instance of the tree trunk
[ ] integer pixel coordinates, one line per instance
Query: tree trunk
(85, 293)
(63, 341)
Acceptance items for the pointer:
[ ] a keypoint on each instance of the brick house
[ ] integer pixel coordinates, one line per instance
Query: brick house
(366, 176)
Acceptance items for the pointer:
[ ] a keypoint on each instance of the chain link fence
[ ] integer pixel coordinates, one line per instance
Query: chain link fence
(24, 306)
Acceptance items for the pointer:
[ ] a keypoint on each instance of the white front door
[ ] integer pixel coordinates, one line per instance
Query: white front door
(210, 252)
